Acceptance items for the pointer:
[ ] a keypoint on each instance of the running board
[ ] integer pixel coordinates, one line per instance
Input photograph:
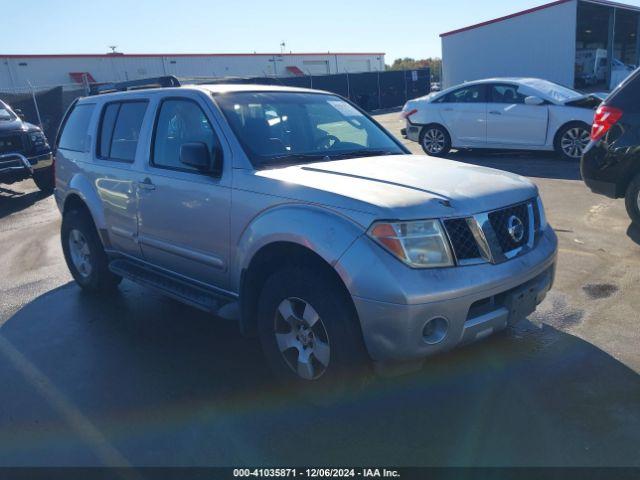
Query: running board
(179, 289)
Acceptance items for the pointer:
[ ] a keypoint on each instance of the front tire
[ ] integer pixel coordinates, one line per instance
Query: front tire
(632, 200)
(435, 141)
(571, 140)
(45, 180)
(84, 253)
(309, 331)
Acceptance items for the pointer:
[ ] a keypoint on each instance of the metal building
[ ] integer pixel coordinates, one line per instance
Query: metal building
(20, 71)
(569, 42)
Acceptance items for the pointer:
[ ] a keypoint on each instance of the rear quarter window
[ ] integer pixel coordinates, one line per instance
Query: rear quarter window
(75, 134)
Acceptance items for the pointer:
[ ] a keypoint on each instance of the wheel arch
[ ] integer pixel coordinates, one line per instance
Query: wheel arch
(268, 260)
(80, 195)
(567, 124)
(285, 236)
(424, 128)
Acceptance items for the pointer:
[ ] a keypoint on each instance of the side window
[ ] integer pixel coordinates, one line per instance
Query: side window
(505, 94)
(179, 122)
(471, 94)
(120, 130)
(76, 128)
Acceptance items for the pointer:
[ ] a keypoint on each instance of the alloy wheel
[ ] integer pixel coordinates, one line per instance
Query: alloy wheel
(80, 253)
(574, 141)
(302, 338)
(433, 141)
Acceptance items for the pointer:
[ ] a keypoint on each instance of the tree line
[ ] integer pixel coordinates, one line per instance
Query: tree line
(407, 63)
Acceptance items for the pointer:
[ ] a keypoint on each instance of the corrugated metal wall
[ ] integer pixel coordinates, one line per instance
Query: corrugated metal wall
(539, 44)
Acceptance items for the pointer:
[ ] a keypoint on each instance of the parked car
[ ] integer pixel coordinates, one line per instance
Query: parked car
(502, 113)
(296, 214)
(24, 151)
(611, 164)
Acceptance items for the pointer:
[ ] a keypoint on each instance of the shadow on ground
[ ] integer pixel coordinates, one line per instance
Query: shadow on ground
(12, 201)
(137, 377)
(525, 163)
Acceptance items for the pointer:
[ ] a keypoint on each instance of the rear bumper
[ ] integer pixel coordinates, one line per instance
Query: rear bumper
(475, 301)
(607, 171)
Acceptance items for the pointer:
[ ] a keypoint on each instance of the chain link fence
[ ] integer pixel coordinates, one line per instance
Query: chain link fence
(45, 105)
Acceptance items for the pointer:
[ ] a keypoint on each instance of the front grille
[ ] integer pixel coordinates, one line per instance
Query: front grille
(464, 244)
(500, 241)
(11, 144)
(500, 222)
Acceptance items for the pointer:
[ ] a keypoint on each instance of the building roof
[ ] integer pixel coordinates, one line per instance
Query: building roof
(134, 55)
(535, 9)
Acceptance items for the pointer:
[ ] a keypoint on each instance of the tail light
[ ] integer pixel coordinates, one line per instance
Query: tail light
(606, 117)
(408, 113)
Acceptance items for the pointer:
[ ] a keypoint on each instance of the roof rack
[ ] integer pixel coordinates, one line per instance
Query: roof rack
(156, 82)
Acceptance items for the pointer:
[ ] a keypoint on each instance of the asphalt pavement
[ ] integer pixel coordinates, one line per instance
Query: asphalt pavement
(139, 379)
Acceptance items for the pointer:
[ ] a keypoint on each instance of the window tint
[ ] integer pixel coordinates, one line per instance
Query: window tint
(75, 133)
(505, 94)
(180, 122)
(472, 94)
(109, 116)
(126, 131)
(276, 128)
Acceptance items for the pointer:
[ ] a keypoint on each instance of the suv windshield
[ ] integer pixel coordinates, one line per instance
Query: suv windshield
(5, 113)
(288, 127)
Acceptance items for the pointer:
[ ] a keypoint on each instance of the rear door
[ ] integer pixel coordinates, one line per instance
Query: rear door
(117, 144)
(464, 113)
(510, 121)
(184, 213)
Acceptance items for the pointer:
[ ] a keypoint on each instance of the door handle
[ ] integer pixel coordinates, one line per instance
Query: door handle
(448, 109)
(146, 184)
(495, 112)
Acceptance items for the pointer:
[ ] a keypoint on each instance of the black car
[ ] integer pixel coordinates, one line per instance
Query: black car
(24, 151)
(611, 162)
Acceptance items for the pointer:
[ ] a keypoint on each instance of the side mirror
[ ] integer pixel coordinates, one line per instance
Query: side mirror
(196, 155)
(533, 101)
(19, 113)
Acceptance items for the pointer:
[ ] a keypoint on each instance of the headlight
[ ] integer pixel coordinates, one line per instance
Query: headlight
(38, 138)
(419, 244)
(543, 216)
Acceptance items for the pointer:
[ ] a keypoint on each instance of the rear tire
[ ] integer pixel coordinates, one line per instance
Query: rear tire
(435, 140)
(309, 332)
(45, 180)
(84, 253)
(571, 140)
(632, 200)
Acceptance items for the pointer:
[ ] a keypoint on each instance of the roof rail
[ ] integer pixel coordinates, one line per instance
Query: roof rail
(156, 82)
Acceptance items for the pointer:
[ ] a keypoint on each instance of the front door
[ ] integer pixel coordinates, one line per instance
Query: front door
(511, 122)
(184, 212)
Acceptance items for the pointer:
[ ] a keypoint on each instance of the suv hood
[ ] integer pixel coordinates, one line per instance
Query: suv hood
(402, 187)
(11, 126)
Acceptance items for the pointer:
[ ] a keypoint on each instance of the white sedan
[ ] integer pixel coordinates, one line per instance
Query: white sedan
(503, 113)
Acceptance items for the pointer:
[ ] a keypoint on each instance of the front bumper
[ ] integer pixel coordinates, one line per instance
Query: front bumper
(394, 303)
(15, 167)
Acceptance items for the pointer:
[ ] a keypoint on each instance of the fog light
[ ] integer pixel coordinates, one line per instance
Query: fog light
(435, 330)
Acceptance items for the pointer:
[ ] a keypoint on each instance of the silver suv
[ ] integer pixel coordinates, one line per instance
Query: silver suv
(298, 215)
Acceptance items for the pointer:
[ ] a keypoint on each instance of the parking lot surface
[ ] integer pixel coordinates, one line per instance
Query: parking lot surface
(139, 379)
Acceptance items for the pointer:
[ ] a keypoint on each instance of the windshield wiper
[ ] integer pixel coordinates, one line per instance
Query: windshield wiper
(363, 153)
(295, 158)
(292, 159)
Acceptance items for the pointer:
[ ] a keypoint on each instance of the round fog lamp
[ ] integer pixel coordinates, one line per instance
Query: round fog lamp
(435, 330)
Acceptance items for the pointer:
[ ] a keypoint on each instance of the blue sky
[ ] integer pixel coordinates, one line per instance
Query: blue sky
(398, 28)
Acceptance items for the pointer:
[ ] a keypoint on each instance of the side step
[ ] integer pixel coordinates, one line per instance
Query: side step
(182, 290)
